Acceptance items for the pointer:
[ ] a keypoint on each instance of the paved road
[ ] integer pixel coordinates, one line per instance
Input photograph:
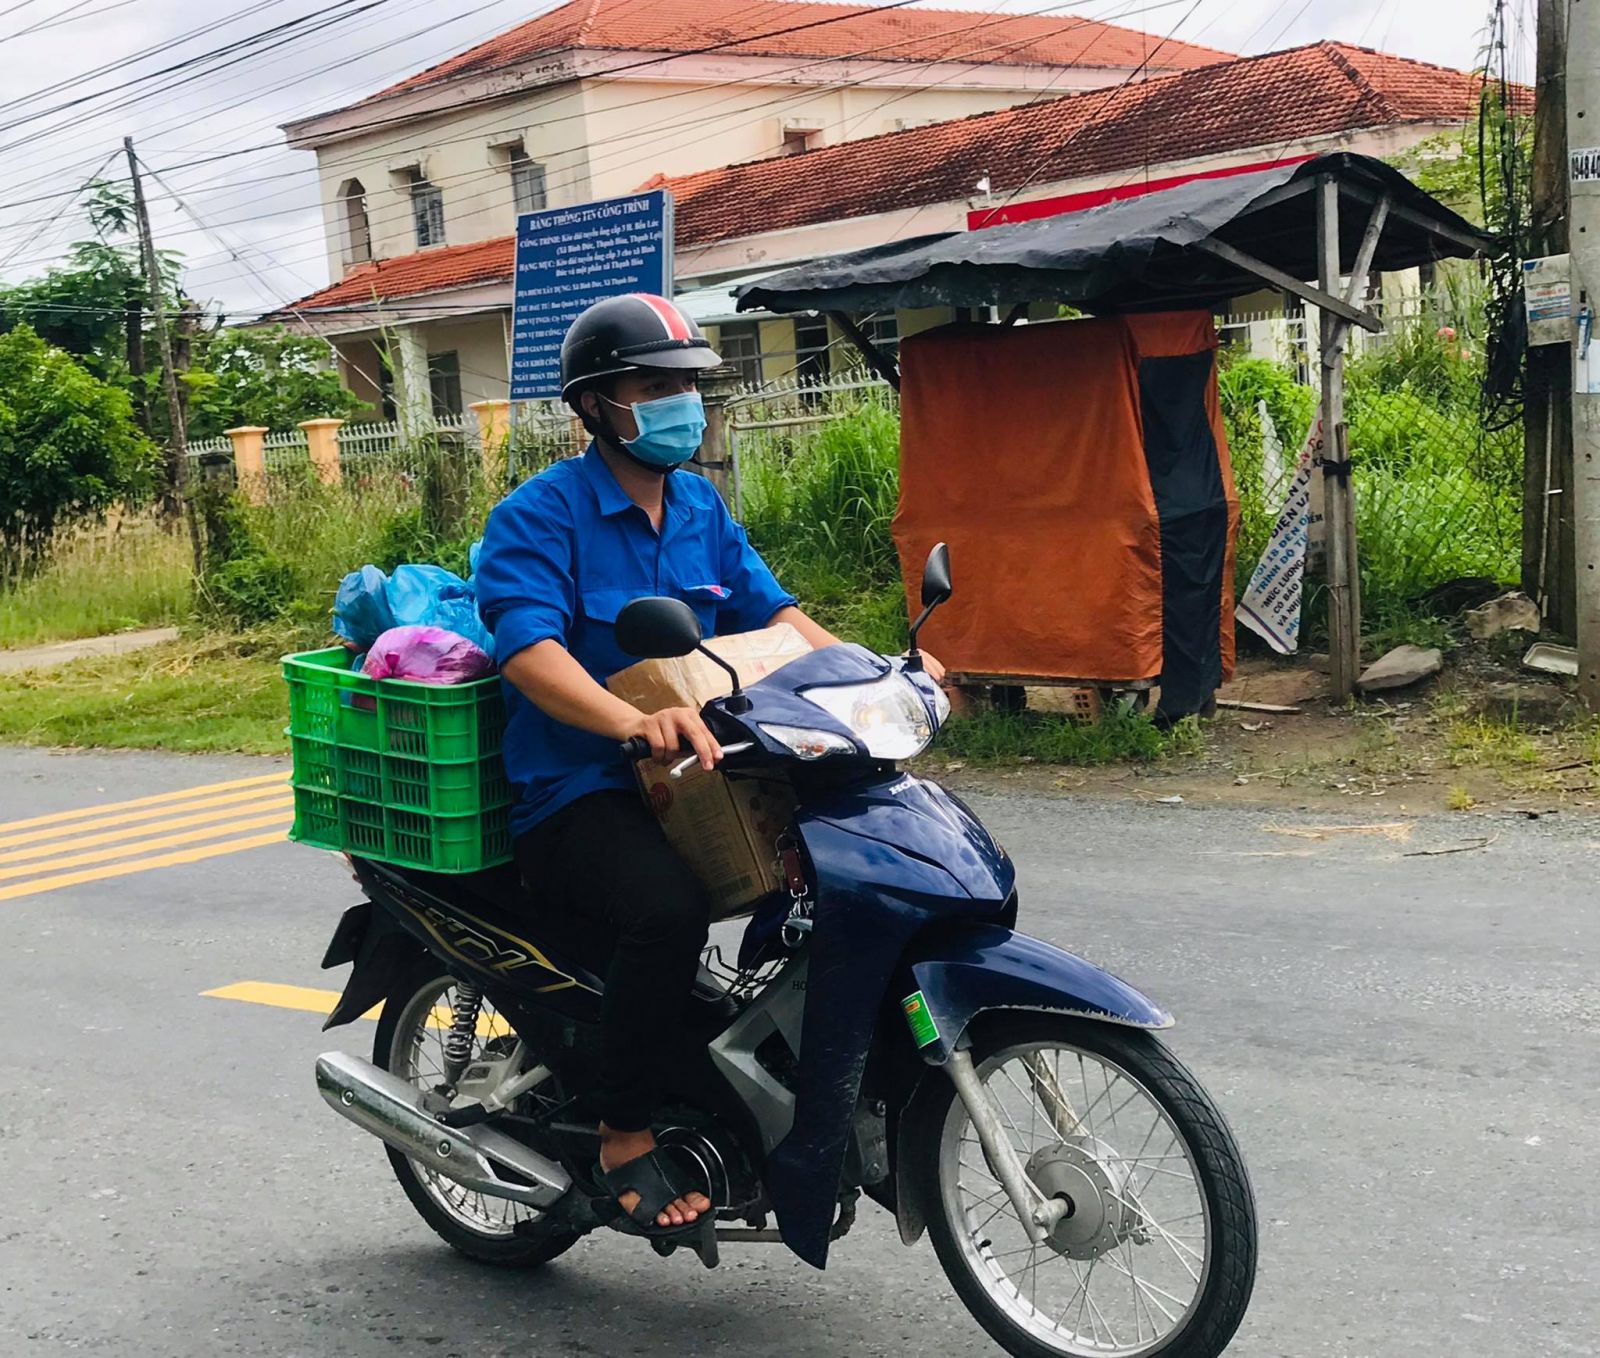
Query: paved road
(1406, 1047)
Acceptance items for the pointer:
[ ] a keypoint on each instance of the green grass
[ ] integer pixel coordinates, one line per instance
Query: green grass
(1493, 744)
(1050, 738)
(207, 694)
(101, 583)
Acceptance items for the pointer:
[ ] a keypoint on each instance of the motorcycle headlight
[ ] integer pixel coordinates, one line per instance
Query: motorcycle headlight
(888, 715)
(807, 742)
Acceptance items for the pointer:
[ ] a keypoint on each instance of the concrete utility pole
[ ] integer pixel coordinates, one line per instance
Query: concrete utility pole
(177, 496)
(1583, 123)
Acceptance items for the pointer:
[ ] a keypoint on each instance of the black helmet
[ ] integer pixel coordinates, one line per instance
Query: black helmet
(636, 330)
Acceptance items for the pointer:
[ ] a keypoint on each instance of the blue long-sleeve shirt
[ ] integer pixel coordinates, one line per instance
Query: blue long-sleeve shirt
(561, 556)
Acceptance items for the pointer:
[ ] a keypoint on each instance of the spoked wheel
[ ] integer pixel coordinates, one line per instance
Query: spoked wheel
(410, 1043)
(1155, 1250)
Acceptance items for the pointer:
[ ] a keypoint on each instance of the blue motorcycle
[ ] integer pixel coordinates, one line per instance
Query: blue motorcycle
(884, 1031)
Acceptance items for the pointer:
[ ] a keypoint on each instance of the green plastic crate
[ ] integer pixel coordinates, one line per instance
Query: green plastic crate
(400, 772)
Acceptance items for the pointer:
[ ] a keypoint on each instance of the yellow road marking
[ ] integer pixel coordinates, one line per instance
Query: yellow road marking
(79, 860)
(273, 801)
(313, 1001)
(161, 860)
(147, 814)
(56, 817)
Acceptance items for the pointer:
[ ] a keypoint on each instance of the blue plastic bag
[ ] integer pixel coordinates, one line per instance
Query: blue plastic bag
(361, 607)
(435, 597)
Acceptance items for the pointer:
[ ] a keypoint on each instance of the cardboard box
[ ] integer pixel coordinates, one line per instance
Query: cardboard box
(725, 828)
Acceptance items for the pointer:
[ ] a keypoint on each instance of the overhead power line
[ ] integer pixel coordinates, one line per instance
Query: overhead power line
(244, 49)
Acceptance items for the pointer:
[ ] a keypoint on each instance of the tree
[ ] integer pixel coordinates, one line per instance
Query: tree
(265, 377)
(69, 448)
(1481, 171)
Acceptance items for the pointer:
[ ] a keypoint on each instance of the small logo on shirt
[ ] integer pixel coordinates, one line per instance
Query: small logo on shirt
(716, 591)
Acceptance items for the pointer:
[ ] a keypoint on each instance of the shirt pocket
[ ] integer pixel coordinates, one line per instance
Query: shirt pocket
(706, 600)
(596, 640)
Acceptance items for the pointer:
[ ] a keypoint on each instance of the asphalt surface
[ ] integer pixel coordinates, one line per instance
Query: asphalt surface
(1406, 1047)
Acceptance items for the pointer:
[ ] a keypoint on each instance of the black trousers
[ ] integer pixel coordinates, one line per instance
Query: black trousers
(605, 861)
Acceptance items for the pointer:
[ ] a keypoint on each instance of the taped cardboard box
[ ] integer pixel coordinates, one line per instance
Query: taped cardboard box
(725, 828)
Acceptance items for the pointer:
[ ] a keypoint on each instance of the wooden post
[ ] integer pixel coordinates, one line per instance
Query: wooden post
(250, 461)
(1548, 570)
(1344, 621)
(322, 442)
(494, 436)
(716, 386)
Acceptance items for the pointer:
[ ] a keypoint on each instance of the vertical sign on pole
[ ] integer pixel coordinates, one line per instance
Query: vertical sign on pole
(569, 257)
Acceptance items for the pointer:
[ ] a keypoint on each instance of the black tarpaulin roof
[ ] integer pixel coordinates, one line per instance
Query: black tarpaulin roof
(1141, 254)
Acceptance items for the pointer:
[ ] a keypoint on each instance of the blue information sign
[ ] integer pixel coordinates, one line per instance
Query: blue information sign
(568, 257)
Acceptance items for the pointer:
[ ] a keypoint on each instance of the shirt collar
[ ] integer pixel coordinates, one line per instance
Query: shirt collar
(614, 500)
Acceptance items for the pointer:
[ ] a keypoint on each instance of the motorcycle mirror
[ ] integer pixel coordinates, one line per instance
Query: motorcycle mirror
(936, 577)
(657, 629)
(936, 588)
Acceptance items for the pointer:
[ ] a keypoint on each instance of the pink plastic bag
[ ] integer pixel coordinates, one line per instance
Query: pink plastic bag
(426, 655)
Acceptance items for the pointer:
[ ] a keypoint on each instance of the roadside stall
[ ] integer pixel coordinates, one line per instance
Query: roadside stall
(1079, 470)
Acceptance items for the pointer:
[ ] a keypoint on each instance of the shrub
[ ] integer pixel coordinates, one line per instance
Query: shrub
(69, 449)
(244, 583)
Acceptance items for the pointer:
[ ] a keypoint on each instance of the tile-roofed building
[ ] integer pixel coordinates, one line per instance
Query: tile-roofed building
(1281, 99)
(780, 210)
(586, 100)
(801, 28)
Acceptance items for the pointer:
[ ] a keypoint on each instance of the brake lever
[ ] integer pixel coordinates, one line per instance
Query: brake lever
(684, 765)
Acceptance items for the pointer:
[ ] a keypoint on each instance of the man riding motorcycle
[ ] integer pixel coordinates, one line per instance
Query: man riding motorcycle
(561, 556)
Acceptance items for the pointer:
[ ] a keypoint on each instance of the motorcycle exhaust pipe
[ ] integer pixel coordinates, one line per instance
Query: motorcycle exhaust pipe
(479, 1157)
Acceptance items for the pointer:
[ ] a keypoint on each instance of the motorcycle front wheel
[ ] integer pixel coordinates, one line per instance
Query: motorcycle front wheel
(410, 1043)
(1155, 1248)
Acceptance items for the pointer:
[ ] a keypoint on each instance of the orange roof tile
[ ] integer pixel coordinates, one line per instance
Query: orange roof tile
(801, 28)
(1283, 97)
(448, 266)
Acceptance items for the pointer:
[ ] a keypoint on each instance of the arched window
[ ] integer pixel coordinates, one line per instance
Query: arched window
(357, 230)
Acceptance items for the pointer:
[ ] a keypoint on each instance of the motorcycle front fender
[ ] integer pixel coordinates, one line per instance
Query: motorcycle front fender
(951, 974)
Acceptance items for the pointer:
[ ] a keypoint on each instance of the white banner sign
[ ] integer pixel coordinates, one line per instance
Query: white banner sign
(1271, 603)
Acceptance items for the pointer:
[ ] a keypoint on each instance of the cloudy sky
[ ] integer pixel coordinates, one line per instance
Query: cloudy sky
(76, 76)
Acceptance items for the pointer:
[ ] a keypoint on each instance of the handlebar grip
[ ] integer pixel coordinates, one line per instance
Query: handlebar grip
(635, 748)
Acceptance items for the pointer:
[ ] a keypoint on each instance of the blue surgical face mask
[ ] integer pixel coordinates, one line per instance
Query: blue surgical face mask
(670, 429)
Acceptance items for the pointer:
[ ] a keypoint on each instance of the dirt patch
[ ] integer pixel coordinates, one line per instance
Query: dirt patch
(1445, 745)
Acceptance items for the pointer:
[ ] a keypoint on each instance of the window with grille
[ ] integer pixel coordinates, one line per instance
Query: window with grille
(811, 348)
(884, 332)
(740, 346)
(357, 229)
(444, 383)
(427, 211)
(527, 181)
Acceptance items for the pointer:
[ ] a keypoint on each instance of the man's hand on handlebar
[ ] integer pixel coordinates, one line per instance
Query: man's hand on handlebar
(673, 730)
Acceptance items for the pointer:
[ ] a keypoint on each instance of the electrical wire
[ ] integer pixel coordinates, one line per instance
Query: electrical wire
(403, 210)
(245, 49)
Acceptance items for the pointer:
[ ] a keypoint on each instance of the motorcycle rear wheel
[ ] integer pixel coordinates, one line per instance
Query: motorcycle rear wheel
(1157, 1253)
(408, 1044)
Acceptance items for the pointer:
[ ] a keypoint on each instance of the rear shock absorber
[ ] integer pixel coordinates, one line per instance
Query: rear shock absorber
(463, 1030)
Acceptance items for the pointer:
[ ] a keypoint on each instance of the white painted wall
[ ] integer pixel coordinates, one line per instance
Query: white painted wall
(600, 138)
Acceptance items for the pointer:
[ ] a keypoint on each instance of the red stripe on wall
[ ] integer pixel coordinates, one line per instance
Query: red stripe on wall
(1080, 202)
